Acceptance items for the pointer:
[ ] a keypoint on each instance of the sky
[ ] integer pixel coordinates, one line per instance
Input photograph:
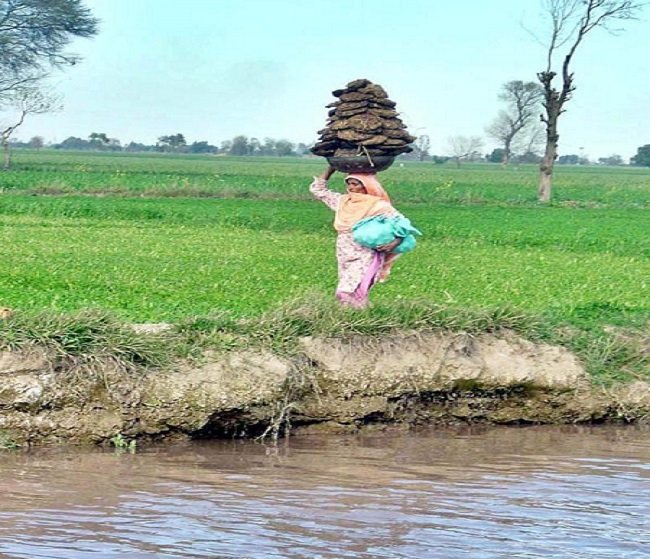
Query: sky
(214, 69)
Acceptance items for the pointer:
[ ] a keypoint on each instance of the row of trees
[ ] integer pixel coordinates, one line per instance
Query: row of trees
(468, 149)
(242, 145)
(463, 149)
(176, 143)
(497, 156)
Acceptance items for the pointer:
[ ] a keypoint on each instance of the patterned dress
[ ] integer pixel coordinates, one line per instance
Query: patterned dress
(358, 266)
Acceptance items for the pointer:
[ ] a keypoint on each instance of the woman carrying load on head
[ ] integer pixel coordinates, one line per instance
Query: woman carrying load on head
(359, 267)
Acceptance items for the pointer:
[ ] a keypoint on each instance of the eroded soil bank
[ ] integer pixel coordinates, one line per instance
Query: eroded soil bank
(329, 385)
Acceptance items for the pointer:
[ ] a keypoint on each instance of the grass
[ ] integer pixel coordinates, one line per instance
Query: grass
(163, 260)
(8, 443)
(151, 238)
(85, 337)
(156, 175)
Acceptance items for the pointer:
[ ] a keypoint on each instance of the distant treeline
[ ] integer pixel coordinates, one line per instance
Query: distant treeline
(175, 143)
(244, 146)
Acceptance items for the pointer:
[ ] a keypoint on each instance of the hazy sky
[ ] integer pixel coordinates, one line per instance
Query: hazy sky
(213, 69)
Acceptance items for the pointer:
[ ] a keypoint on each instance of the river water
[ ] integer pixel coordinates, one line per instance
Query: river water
(479, 492)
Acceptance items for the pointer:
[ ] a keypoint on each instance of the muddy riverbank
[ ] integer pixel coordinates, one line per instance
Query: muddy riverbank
(328, 385)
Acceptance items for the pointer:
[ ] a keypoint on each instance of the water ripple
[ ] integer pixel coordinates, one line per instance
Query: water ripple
(560, 492)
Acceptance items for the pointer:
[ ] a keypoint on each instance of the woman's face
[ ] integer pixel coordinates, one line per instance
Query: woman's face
(355, 186)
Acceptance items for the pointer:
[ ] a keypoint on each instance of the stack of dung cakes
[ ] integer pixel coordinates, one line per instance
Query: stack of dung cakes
(363, 130)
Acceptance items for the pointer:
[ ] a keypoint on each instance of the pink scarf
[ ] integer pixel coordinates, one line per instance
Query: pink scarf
(354, 207)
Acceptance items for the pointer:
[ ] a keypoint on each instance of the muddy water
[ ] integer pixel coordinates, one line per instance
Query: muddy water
(565, 492)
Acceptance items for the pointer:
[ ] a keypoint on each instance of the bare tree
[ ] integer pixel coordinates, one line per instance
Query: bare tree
(522, 100)
(462, 147)
(422, 145)
(19, 104)
(570, 22)
(533, 139)
(36, 142)
(529, 143)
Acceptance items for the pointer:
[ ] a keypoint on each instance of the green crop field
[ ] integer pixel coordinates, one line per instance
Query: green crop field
(163, 237)
(161, 175)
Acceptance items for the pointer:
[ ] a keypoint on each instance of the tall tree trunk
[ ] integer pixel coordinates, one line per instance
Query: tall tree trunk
(553, 101)
(7, 152)
(548, 161)
(506, 152)
(545, 181)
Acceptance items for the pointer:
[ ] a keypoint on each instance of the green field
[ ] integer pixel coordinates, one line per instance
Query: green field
(162, 237)
(161, 175)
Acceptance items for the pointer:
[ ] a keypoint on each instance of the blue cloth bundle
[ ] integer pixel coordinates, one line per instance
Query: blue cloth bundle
(378, 230)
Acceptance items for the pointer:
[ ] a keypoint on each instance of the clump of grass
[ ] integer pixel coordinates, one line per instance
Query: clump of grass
(318, 316)
(8, 443)
(122, 444)
(610, 357)
(219, 331)
(84, 337)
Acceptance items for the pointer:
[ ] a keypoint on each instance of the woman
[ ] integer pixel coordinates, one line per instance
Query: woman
(359, 267)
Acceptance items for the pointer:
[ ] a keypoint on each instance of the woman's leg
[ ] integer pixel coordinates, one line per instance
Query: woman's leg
(349, 300)
(359, 298)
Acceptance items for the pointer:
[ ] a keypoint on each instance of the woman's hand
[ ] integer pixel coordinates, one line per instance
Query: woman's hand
(388, 247)
(325, 175)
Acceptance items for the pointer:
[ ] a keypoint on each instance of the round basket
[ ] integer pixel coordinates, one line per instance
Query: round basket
(361, 163)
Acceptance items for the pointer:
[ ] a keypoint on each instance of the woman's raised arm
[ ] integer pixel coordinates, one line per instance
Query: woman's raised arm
(327, 173)
(319, 189)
